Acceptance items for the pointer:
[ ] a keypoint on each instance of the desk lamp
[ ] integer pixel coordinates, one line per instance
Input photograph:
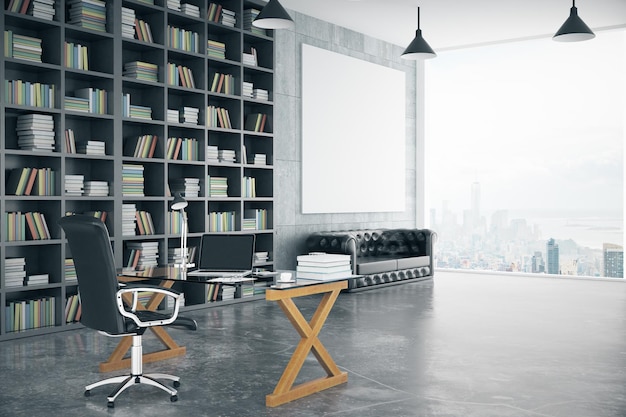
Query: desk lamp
(180, 204)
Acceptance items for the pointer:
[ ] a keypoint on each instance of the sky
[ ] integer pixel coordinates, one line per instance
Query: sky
(539, 124)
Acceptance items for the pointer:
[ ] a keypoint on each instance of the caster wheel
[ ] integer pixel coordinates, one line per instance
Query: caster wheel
(111, 404)
(87, 393)
(174, 398)
(176, 384)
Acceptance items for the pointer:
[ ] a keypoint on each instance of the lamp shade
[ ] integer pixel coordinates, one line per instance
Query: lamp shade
(574, 29)
(179, 203)
(273, 16)
(418, 48)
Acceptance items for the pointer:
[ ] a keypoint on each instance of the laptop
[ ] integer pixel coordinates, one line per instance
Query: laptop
(225, 255)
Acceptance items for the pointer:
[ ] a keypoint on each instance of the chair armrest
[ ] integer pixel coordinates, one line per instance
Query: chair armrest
(134, 291)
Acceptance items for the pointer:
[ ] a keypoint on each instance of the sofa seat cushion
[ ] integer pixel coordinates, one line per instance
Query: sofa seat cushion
(413, 262)
(375, 265)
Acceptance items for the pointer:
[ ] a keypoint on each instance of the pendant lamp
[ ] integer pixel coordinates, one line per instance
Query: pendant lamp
(419, 48)
(574, 29)
(273, 16)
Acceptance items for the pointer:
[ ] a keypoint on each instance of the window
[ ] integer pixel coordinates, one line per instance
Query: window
(525, 151)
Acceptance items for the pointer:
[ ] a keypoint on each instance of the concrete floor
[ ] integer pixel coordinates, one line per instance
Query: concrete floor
(463, 344)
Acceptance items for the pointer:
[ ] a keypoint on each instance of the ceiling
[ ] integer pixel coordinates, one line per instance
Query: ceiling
(448, 24)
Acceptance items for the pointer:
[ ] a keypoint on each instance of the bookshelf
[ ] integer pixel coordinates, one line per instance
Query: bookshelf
(96, 102)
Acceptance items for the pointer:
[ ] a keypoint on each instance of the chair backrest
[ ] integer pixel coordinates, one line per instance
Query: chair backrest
(91, 250)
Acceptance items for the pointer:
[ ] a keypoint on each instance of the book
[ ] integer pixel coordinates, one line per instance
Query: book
(323, 259)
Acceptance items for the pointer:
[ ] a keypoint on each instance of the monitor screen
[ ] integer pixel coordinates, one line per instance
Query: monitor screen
(226, 252)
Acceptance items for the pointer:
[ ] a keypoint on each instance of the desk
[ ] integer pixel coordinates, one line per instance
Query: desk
(167, 275)
(283, 294)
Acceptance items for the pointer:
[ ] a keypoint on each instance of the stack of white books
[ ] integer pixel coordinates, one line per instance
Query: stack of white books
(228, 18)
(129, 221)
(189, 115)
(35, 132)
(128, 23)
(173, 116)
(247, 89)
(174, 5)
(227, 155)
(261, 94)
(96, 188)
(190, 9)
(212, 153)
(148, 253)
(74, 185)
(323, 266)
(260, 159)
(43, 9)
(14, 272)
(91, 147)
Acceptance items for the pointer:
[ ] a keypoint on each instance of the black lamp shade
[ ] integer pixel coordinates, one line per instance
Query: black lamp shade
(179, 202)
(574, 29)
(273, 16)
(418, 48)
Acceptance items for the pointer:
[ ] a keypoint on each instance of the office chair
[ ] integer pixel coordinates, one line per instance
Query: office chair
(103, 307)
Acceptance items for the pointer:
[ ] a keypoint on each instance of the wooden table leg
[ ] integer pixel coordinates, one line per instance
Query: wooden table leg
(309, 332)
(117, 361)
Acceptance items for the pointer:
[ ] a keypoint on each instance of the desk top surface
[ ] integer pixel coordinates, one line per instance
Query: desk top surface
(175, 273)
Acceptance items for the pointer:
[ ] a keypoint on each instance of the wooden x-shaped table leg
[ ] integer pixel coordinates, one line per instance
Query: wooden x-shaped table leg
(309, 342)
(172, 349)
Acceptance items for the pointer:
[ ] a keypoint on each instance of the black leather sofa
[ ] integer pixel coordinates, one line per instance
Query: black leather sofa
(380, 256)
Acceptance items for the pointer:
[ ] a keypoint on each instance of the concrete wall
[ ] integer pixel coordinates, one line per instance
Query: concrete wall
(290, 225)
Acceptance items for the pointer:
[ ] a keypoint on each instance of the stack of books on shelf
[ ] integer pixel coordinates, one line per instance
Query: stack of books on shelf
(248, 17)
(43, 9)
(69, 270)
(89, 99)
(223, 83)
(185, 149)
(97, 189)
(35, 132)
(73, 310)
(89, 14)
(256, 122)
(142, 146)
(212, 153)
(173, 116)
(128, 23)
(174, 255)
(128, 219)
(217, 186)
(14, 226)
(173, 5)
(70, 141)
(76, 56)
(261, 94)
(132, 180)
(227, 155)
(185, 40)
(37, 279)
(250, 58)
(259, 216)
(14, 272)
(221, 221)
(28, 93)
(91, 147)
(216, 49)
(213, 292)
(74, 184)
(189, 115)
(323, 266)
(187, 187)
(218, 117)
(135, 111)
(247, 290)
(247, 89)
(248, 189)
(190, 9)
(145, 226)
(143, 31)
(139, 70)
(228, 18)
(260, 159)
(179, 75)
(22, 46)
(248, 224)
(216, 13)
(228, 292)
(30, 314)
(37, 225)
(261, 257)
(143, 254)
(98, 214)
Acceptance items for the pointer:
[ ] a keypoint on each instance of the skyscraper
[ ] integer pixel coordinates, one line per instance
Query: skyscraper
(552, 257)
(613, 260)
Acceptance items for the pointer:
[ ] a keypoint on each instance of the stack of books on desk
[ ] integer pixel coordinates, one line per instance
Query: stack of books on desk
(323, 266)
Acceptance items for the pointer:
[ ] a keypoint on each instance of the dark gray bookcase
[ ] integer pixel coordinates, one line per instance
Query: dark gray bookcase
(107, 52)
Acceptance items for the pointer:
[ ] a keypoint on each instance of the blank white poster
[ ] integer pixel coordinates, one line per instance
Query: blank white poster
(353, 134)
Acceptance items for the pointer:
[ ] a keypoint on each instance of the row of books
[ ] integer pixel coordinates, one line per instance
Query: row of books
(256, 122)
(248, 187)
(133, 110)
(42, 9)
(75, 185)
(183, 39)
(216, 13)
(179, 75)
(254, 219)
(89, 147)
(249, 91)
(132, 180)
(17, 224)
(73, 309)
(143, 254)
(98, 214)
(28, 93)
(222, 221)
(140, 70)
(31, 181)
(323, 266)
(218, 117)
(143, 31)
(35, 132)
(185, 149)
(29, 314)
(145, 226)
(22, 46)
(223, 83)
(89, 100)
(142, 147)
(76, 56)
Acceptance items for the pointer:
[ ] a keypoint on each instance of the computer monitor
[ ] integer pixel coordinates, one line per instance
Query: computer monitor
(226, 252)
